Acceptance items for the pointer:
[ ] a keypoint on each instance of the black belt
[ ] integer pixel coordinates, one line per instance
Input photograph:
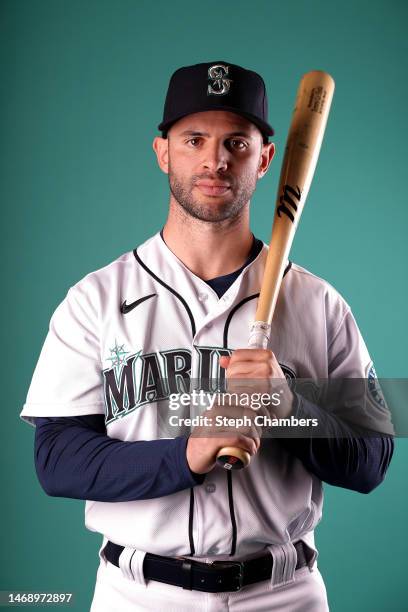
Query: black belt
(215, 577)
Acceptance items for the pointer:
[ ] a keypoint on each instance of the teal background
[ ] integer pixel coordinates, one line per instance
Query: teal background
(82, 89)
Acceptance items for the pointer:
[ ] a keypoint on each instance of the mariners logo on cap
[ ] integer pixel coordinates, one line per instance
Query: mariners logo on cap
(220, 85)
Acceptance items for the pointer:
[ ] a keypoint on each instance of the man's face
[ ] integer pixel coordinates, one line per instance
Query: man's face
(214, 161)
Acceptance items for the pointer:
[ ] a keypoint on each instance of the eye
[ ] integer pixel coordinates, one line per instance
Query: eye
(194, 142)
(238, 145)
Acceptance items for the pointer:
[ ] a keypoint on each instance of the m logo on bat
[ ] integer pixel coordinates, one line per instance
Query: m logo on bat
(288, 199)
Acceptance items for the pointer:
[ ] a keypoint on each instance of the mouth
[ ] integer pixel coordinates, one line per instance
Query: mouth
(211, 188)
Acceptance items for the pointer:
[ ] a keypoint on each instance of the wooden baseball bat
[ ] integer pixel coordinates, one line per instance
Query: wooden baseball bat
(303, 144)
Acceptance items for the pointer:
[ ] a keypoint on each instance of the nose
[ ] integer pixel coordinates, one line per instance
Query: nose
(215, 157)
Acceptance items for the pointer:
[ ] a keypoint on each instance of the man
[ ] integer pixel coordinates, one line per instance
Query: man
(178, 530)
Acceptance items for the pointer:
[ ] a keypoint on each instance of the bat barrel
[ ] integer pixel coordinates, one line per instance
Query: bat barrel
(313, 100)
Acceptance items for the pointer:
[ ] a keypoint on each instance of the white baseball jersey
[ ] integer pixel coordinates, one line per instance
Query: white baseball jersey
(123, 360)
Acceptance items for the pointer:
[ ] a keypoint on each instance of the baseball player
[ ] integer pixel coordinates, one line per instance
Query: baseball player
(178, 530)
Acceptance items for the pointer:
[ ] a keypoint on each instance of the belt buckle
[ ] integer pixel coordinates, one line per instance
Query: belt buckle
(240, 574)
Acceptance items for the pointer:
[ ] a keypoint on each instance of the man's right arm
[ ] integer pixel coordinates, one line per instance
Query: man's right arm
(75, 458)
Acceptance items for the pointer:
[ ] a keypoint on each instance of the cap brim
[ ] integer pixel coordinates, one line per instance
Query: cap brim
(263, 127)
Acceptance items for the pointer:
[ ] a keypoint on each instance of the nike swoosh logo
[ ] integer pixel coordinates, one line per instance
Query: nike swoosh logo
(125, 308)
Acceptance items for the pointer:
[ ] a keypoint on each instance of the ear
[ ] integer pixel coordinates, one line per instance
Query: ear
(161, 148)
(267, 153)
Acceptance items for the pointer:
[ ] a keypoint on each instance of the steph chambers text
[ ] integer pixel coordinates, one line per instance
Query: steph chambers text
(259, 420)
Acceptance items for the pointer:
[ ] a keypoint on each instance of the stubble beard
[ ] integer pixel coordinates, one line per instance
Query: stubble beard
(231, 209)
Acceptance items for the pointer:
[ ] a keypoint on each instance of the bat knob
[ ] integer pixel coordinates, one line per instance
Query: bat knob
(231, 458)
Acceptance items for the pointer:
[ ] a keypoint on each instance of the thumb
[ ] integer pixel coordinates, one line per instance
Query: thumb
(224, 361)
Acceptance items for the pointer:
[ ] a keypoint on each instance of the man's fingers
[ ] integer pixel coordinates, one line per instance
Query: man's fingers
(251, 355)
(258, 369)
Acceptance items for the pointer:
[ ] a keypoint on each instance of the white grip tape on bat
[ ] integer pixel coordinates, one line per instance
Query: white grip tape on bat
(259, 334)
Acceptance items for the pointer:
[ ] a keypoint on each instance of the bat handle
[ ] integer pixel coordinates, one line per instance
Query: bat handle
(230, 457)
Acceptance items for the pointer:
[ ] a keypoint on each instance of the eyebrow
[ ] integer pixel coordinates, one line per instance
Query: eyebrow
(207, 135)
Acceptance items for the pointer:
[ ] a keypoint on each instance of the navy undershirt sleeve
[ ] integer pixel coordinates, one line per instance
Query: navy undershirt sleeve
(343, 459)
(74, 457)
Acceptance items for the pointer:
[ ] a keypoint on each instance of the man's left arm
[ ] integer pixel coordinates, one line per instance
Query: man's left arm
(343, 457)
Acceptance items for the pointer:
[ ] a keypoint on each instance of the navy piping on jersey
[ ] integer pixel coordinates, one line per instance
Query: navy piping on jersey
(190, 522)
(241, 303)
(231, 314)
(232, 514)
(229, 474)
(178, 296)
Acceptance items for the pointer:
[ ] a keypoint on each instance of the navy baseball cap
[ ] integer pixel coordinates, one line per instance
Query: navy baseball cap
(216, 86)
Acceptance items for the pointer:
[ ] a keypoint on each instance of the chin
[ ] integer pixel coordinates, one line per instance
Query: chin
(214, 216)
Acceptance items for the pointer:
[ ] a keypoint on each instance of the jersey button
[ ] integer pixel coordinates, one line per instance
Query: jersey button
(210, 487)
(202, 297)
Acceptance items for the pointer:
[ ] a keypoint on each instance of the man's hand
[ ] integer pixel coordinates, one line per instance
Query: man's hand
(206, 440)
(248, 371)
(258, 371)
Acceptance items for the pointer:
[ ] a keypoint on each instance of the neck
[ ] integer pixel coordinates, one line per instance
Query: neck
(208, 249)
